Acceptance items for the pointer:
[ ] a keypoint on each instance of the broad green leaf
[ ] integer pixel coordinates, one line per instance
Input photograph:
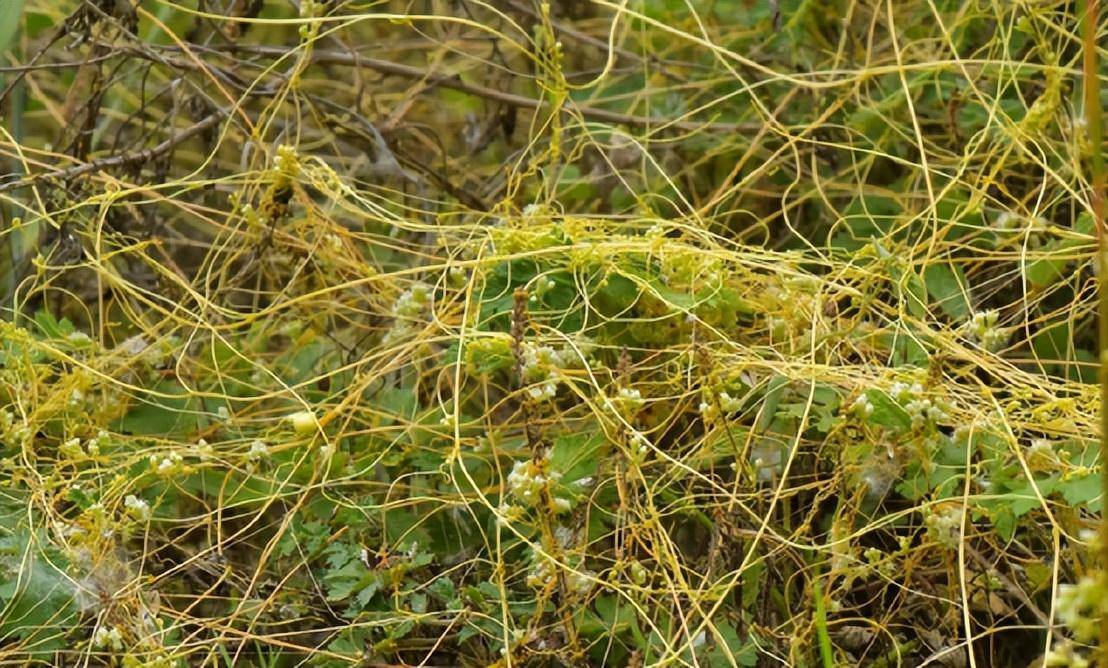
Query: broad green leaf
(37, 599)
(1081, 491)
(162, 416)
(1059, 254)
(887, 412)
(946, 285)
(11, 13)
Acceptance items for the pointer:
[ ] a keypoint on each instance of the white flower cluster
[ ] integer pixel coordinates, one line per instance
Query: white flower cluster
(93, 445)
(728, 403)
(1041, 455)
(108, 638)
(287, 162)
(413, 302)
(924, 411)
(257, 452)
(640, 446)
(982, 327)
(767, 460)
(333, 242)
(862, 406)
(154, 355)
(136, 507)
(944, 524)
(1009, 220)
(544, 574)
(11, 434)
(1065, 654)
(724, 402)
(876, 559)
(921, 409)
(540, 369)
(528, 479)
(707, 410)
(509, 513)
(541, 288)
(533, 213)
(167, 465)
(565, 536)
(777, 325)
(412, 306)
(71, 449)
(78, 339)
(628, 400)
(902, 393)
(580, 581)
(1081, 605)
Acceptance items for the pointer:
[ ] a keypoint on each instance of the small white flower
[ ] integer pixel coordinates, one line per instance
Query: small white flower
(543, 391)
(205, 450)
(71, 449)
(862, 406)
(580, 582)
(168, 464)
(413, 302)
(630, 397)
(258, 451)
(108, 638)
(136, 507)
(1008, 220)
(728, 403)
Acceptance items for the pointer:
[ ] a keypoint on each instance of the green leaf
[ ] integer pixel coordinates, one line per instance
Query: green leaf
(52, 328)
(732, 649)
(775, 390)
(916, 295)
(163, 416)
(37, 598)
(11, 13)
(1082, 491)
(887, 412)
(946, 284)
(577, 456)
(1046, 271)
(1054, 347)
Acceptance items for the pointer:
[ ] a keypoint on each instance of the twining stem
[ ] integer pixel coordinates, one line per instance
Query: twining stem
(1096, 200)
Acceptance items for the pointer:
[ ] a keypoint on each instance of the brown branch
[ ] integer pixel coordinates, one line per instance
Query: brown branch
(121, 159)
(30, 67)
(454, 82)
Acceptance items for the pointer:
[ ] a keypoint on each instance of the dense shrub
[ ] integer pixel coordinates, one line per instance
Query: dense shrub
(576, 334)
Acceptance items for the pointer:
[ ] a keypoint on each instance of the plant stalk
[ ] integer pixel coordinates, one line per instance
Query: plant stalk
(1090, 71)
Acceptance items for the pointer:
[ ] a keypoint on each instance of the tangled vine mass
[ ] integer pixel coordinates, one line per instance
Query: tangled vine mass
(514, 333)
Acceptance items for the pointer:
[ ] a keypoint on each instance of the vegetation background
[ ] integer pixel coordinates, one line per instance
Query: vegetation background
(585, 333)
